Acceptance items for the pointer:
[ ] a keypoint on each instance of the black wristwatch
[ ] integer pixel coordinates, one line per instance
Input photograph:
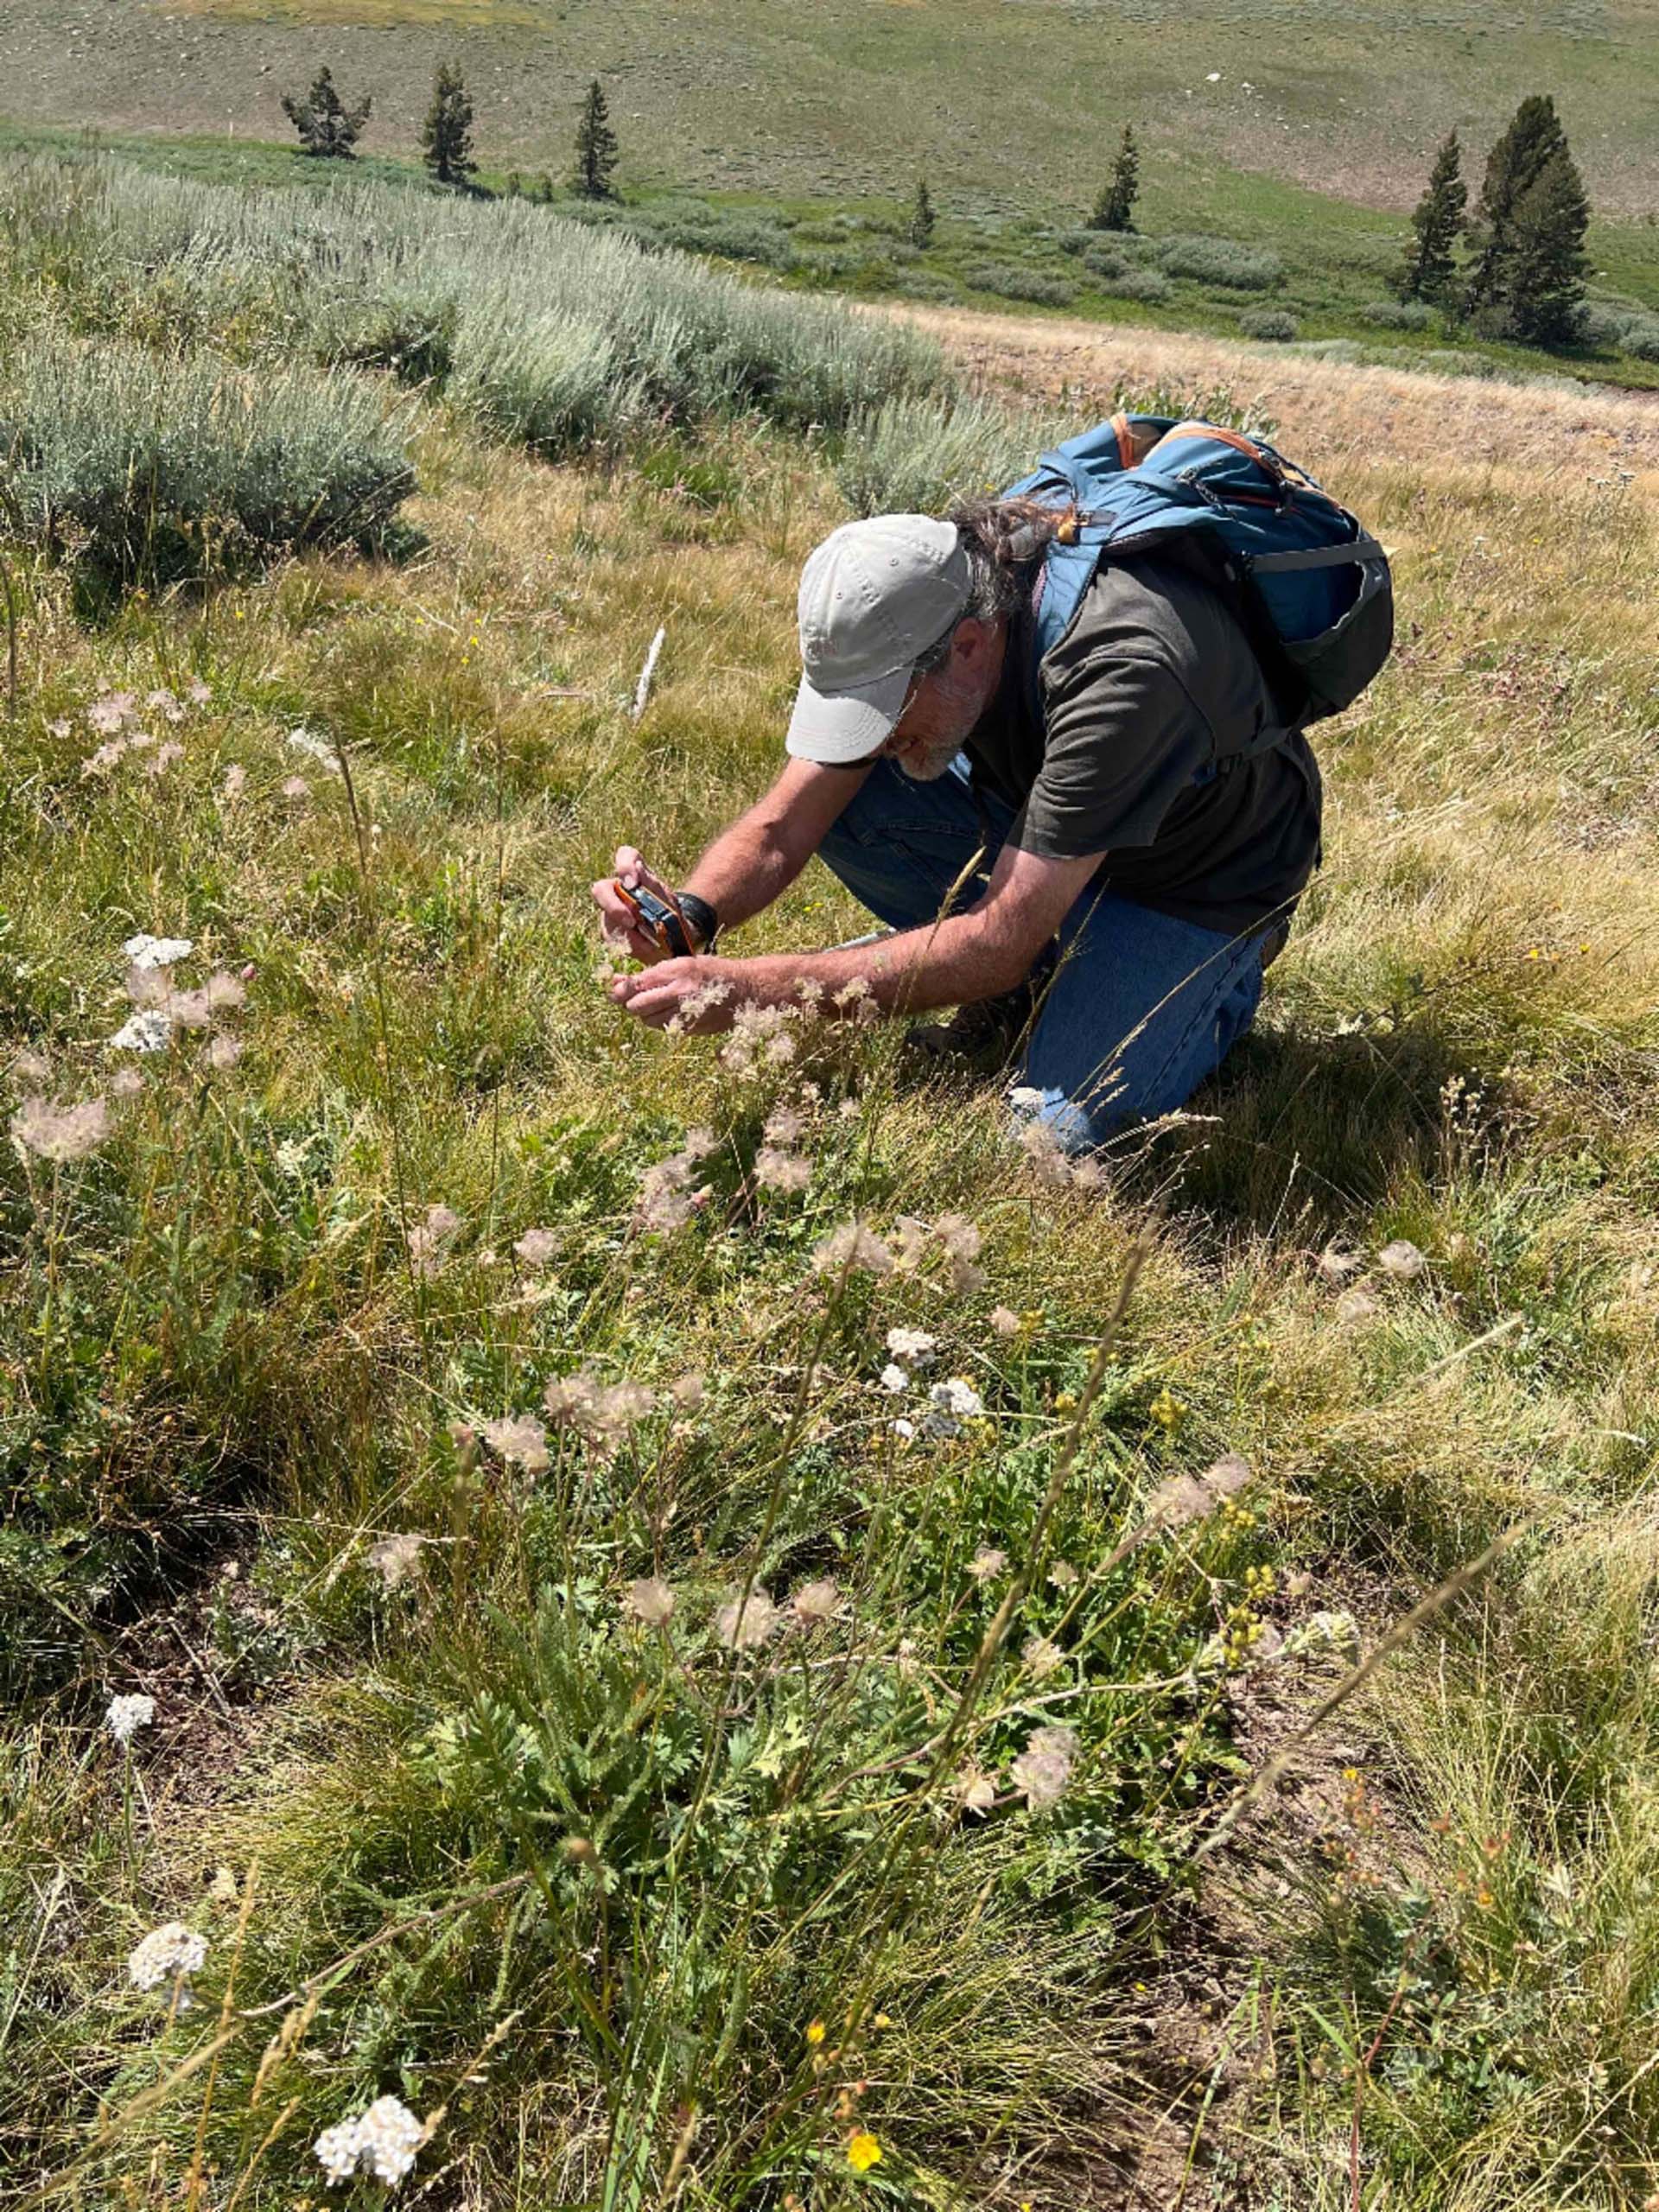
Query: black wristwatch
(701, 916)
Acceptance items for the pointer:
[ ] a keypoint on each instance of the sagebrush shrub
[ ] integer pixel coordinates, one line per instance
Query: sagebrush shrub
(1276, 325)
(1222, 261)
(1011, 281)
(1398, 315)
(148, 465)
(915, 456)
(1149, 286)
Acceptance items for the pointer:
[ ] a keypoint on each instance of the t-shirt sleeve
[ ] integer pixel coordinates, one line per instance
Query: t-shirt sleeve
(1123, 739)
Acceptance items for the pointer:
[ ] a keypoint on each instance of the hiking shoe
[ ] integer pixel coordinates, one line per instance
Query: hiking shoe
(984, 1036)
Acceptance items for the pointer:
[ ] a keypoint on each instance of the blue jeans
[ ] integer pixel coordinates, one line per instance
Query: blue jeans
(1141, 1007)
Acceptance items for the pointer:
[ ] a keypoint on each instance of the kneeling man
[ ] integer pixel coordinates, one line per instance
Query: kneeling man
(1081, 853)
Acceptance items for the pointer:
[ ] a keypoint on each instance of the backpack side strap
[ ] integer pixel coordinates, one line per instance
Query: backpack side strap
(1318, 557)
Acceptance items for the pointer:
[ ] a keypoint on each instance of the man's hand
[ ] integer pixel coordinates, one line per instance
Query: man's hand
(663, 996)
(616, 922)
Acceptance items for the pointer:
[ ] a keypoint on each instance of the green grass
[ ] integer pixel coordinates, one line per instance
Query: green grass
(1339, 258)
(582, 1887)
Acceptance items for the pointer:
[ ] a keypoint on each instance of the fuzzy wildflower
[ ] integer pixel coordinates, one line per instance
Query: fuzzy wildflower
(382, 2141)
(396, 1558)
(1355, 1306)
(975, 1790)
(1186, 1498)
(1041, 1655)
(520, 1441)
(1004, 1321)
(163, 758)
(782, 1127)
(744, 1624)
(127, 1083)
(222, 1890)
(429, 1240)
(223, 1053)
(316, 748)
(667, 1200)
(816, 1602)
(851, 1246)
(31, 1066)
(960, 1241)
(294, 789)
(650, 1600)
(537, 1247)
(124, 1714)
(235, 783)
(61, 1134)
(171, 1952)
(777, 1170)
(1043, 1770)
(687, 1392)
(1335, 1265)
(1402, 1260)
(112, 711)
(987, 1563)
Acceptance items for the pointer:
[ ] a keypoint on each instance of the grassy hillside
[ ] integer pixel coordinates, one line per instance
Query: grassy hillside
(1008, 105)
(647, 1784)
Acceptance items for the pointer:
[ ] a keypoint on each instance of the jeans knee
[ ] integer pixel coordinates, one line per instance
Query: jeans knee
(1078, 1127)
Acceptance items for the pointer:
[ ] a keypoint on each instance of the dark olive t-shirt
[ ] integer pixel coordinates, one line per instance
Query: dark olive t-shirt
(1152, 681)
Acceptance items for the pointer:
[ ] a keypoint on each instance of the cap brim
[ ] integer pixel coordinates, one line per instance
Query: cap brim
(837, 727)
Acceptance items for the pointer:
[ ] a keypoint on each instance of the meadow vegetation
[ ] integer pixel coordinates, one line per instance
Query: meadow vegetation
(717, 1629)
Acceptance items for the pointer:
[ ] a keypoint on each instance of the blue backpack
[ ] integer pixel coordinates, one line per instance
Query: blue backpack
(1311, 586)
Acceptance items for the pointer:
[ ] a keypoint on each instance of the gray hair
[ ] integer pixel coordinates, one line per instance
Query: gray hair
(1005, 541)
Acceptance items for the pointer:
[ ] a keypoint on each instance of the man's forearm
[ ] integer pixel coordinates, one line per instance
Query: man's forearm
(744, 870)
(950, 963)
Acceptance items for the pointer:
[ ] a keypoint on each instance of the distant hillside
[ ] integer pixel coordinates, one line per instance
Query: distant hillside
(1008, 104)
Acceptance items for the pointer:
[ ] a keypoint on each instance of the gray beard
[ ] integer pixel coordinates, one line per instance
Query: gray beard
(931, 767)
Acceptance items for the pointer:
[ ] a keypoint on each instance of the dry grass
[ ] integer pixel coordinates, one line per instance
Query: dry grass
(1457, 1050)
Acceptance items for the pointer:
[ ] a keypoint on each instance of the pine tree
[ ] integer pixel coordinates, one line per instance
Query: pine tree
(923, 221)
(1547, 260)
(1516, 162)
(596, 148)
(327, 126)
(447, 135)
(1431, 267)
(1114, 210)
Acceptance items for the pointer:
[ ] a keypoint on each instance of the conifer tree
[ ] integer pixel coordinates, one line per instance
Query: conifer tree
(596, 148)
(1533, 139)
(1431, 267)
(447, 135)
(1114, 210)
(923, 221)
(1547, 260)
(327, 126)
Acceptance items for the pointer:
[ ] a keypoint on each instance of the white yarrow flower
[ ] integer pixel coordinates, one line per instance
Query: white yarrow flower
(146, 1032)
(146, 951)
(894, 1378)
(171, 1953)
(382, 2141)
(124, 1714)
(913, 1344)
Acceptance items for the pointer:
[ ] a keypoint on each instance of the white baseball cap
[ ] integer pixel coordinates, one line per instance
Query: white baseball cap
(873, 597)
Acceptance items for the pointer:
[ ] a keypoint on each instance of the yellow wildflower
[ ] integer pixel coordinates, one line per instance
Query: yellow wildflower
(815, 2032)
(863, 2152)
